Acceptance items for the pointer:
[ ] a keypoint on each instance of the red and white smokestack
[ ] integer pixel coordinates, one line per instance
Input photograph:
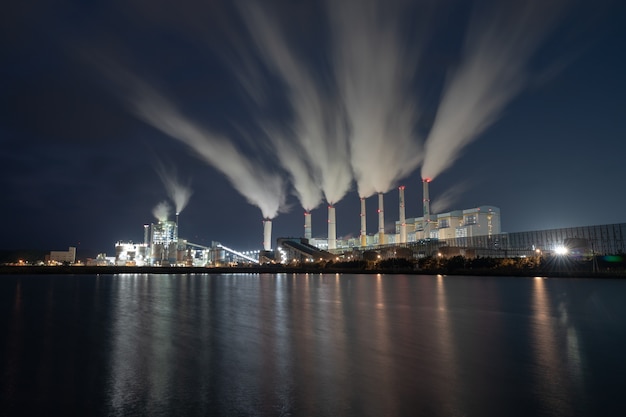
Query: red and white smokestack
(427, 224)
(381, 220)
(363, 223)
(267, 234)
(307, 225)
(402, 216)
(332, 228)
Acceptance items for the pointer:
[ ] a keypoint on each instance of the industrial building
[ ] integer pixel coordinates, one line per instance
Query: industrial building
(478, 221)
(468, 232)
(163, 247)
(62, 257)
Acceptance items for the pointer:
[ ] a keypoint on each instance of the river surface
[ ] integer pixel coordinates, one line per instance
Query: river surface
(311, 345)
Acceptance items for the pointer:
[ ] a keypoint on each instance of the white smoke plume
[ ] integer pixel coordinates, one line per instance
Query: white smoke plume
(374, 72)
(259, 186)
(446, 199)
(317, 126)
(493, 70)
(300, 172)
(162, 211)
(179, 193)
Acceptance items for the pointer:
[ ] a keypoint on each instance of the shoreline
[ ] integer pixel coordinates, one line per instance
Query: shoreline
(116, 270)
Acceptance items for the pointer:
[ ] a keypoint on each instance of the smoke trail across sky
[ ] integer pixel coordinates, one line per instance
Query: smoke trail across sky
(318, 128)
(176, 191)
(259, 186)
(307, 190)
(356, 114)
(445, 200)
(493, 70)
(374, 70)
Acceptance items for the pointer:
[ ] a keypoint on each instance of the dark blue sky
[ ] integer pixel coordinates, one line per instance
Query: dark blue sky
(79, 157)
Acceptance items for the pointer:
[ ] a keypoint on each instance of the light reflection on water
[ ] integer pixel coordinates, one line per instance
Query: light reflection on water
(313, 344)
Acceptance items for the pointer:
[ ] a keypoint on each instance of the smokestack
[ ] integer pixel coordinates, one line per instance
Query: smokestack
(381, 220)
(402, 216)
(146, 234)
(267, 234)
(363, 223)
(307, 225)
(426, 209)
(332, 228)
(176, 231)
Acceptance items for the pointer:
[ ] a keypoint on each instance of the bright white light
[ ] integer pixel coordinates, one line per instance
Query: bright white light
(560, 250)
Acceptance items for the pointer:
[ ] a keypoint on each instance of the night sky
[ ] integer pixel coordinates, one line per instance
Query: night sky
(258, 108)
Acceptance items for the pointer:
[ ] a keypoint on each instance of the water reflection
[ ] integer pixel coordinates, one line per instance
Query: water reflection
(557, 354)
(312, 344)
(14, 346)
(448, 391)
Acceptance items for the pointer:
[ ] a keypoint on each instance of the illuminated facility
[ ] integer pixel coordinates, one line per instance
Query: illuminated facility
(477, 221)
(468, 232)
(163, 247)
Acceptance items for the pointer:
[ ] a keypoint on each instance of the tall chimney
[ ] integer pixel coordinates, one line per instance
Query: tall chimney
(363, 223)
(307, 225)
(332, 228)
(146, 234)
(267, 234)
(176, 230)
(402, 216)
(381, 220)
(426, 209)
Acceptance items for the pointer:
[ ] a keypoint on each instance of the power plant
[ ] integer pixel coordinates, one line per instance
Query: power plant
(162, 245)
(469, 232)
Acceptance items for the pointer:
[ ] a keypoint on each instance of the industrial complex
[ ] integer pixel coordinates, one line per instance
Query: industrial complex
(467, 232)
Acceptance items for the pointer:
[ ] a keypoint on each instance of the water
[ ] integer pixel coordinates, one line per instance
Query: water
(311, 345)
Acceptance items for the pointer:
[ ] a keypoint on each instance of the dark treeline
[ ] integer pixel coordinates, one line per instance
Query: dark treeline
(556, 266)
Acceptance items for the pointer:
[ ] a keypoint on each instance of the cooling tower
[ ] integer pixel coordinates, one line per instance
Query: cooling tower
(307, 225)
(363, 223)
(402, 216)
(426, 209)
(267, 234)
(332, 228)
(381, 220)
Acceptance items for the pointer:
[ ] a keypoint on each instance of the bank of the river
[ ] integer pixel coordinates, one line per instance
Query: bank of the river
(107, 270)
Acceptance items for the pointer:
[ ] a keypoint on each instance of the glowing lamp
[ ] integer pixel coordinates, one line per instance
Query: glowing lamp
(560, 250)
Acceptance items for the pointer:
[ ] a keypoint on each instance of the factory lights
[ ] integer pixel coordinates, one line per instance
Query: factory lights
(560, 250)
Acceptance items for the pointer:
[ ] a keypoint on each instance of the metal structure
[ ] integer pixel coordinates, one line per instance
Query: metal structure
(599, 240)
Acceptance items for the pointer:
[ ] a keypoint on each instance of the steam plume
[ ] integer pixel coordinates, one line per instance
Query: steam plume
(300, 172)
(177, 192)
(445, 200)
(374, 70)
(260, 187)
(162, 211)
(492, 72)
(318, 129)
